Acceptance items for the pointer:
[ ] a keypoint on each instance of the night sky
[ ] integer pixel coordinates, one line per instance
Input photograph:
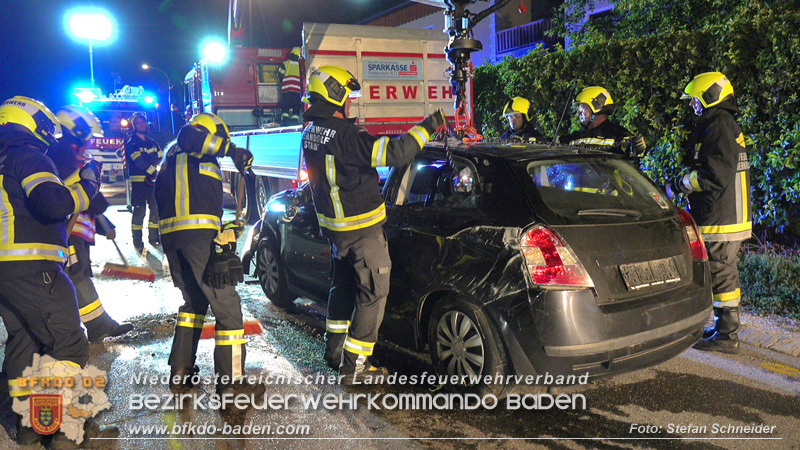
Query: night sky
(39, 59)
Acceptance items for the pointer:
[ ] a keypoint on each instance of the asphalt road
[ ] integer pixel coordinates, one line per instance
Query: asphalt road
(687, 402)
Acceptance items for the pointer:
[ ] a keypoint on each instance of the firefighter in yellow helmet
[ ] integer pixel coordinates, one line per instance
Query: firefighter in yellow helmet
(142, 157)
(594, 105)
(37, 300)
(520, 127)
(341, 161)
(289, 73)
(717, 183)
(202, 252)
(79, 126)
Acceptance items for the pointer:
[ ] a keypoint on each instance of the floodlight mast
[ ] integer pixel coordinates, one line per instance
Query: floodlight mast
(459, 25)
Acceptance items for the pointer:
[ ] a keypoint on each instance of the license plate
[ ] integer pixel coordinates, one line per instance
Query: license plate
(649, 273)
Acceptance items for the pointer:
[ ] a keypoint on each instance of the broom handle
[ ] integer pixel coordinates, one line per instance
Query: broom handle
(104, 223)
(239, 200)
(71, 224)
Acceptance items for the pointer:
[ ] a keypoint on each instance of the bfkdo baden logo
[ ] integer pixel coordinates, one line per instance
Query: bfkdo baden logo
(53, 396)
(45, 413)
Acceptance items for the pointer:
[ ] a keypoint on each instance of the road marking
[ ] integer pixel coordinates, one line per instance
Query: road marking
(780, 368)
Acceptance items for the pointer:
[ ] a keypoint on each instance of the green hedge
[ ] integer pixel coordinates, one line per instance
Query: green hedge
(760, 55)
(771, 281)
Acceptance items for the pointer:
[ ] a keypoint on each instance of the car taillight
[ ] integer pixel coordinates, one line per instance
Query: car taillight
(550, 261)
(695, 238)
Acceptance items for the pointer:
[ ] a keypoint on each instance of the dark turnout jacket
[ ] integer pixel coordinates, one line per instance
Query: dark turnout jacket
(188, 188)
(34, 205)
(528, 133)
(720, 176)
(609, 136)
(341, 161)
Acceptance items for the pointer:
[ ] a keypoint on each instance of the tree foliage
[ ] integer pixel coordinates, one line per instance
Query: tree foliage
(644, 54)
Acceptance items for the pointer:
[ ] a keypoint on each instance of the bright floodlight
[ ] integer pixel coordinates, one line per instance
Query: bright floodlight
(94, 27)
(215, 52)
(145, 66)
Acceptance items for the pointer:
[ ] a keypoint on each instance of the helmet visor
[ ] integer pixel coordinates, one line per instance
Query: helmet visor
(355, 88)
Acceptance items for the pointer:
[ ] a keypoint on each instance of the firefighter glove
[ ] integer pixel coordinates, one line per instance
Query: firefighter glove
(235, 227)
(436, 120)
(638, 147)
(242, 159)
(680, 184)
(235, 269)
(91, 172)
(217, 269)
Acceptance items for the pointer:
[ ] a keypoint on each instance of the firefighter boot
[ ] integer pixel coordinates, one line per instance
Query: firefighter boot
(363, 372)
(91, 432)
(708, 332)
(726, 338)
(334, 342)
(26, 435)
(153, 236)
(180, 378)
(137, 241)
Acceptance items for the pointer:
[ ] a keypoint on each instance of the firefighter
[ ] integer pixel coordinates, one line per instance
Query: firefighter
(201, 253)
(37, 300)
(289, 73)
(341, 162)
(520, 126)
(79, 126)
(718, 187)
(142, 156)
(594, 105)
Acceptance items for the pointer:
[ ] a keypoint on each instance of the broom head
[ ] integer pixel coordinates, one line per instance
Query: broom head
(130, 272)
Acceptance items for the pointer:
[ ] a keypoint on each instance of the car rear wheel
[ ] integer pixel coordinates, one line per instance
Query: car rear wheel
(463, 343)
(271, 276)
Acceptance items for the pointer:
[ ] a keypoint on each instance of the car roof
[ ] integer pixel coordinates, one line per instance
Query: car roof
(513, 151)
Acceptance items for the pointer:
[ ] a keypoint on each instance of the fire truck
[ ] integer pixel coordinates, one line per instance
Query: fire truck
(113, 111)
(402, 75)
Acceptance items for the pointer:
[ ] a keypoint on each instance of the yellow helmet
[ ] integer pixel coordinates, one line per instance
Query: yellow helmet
(295, 51)
(79, 123)
(137, 115)
(598, 99)
(30, 116)
(333, 84)
(517, 105)
(210, 122)
(711, 88)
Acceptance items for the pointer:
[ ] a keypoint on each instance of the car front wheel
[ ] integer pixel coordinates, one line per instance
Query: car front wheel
(271, 276)
(463, 343)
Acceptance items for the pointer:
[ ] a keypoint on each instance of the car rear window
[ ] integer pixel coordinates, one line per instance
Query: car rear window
(591, 190)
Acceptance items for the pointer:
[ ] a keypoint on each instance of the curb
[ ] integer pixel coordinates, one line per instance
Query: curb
(788, 343)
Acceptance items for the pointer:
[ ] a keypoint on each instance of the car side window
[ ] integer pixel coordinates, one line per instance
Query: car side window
(439, 183)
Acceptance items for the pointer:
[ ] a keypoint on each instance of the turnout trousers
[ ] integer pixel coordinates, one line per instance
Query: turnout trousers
(93, 316)
(187, 264)
(41, 316)
(357, 299)
(723, 259)
(142, 197)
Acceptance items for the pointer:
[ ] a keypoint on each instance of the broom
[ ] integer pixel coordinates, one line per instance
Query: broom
(124, 270)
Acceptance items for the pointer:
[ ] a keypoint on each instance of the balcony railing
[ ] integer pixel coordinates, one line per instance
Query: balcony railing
(523, 36)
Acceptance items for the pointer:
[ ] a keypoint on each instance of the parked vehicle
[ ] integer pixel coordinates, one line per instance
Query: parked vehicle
(514, 259)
